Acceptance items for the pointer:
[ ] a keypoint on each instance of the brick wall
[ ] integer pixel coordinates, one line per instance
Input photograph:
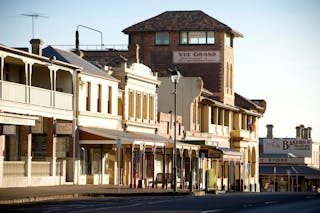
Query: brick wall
(160, 58)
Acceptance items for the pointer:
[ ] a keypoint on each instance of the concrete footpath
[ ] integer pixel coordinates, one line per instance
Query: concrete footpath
(42, 193)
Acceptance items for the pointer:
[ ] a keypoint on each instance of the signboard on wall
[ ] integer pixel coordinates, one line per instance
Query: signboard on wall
(38, 127)
(9, 129)
(298, 147)
(64, 128)
(196, 57)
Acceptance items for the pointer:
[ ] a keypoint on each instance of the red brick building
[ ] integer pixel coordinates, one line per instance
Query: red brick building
(191, 41)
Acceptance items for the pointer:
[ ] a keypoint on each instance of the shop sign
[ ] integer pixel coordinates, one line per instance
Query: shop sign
(9, 129)
(195, 57)
(38, 127)
(214, 154)
(298, 147)
(64, 128)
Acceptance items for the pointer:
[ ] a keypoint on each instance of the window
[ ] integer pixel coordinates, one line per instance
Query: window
(228, 41)
(88, 99)
(151, 107)
(131, 104)
(212, 115)
(145, 107)
(197, 37)
(162, 38)
(138, 110)
(109, 99)
(99, 98)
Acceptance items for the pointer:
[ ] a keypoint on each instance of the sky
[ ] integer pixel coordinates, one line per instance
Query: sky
(278, 59)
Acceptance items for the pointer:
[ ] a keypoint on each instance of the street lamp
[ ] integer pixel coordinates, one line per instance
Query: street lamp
(175, 76)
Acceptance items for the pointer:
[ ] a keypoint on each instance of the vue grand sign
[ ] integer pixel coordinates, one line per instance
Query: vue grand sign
(182, 57)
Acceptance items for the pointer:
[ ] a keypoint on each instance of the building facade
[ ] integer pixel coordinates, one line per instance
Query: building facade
(289, 164)
(37, 116)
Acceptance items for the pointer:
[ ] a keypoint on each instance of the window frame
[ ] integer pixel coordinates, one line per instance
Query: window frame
(187, 33)
(161, 43)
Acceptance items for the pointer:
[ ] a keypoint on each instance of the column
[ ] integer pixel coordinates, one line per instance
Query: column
(2, 143)
(26, 144)
(163, 166)
(182, 178)
(190, 167)
(69, 172)
(132, 184)
(153, 158)
(197, 164)
(51, 145)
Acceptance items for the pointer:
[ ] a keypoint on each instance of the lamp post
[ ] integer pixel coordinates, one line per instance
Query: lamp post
(175, 76)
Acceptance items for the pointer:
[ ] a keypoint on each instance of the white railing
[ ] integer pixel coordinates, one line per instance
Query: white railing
(14, 91)
(40, 168)
(40, 96)
(22, 93)
(14, 168)
(219, 130)
(63, 100)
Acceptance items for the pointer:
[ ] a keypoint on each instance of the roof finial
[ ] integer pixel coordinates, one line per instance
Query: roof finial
(137, 53)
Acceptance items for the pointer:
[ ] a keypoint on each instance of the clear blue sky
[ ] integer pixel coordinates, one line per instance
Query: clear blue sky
(278, 59)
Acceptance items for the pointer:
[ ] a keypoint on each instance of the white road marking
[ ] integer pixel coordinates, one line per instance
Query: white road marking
(270, 202)
(213, 210)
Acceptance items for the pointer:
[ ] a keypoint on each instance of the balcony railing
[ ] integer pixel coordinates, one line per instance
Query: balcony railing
(15, 92)
(244, 134)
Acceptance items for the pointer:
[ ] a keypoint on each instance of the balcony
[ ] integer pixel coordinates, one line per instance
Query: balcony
(244, 134)
(20, 93)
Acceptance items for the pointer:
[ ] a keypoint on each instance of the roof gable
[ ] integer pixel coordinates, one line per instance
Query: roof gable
(180, 21)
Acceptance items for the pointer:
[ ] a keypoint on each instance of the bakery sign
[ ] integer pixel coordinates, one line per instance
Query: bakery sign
(194, 57)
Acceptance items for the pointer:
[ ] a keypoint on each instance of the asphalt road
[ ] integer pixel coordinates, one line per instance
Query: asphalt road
(236, 202)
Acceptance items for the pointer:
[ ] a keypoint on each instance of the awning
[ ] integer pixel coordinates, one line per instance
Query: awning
(300, 170)
(16, 119)
(229, 154)
(109, 136)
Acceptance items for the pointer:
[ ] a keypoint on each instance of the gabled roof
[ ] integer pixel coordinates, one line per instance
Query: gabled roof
(72, 58)
(194, 20)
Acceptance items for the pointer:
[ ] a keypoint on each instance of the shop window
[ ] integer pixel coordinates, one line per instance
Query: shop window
(162, 38)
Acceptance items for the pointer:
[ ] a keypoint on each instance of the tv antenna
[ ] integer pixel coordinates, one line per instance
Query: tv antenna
(34, 16)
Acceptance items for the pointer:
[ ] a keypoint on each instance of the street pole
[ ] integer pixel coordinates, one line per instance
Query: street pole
(175, 140)
(274, 179)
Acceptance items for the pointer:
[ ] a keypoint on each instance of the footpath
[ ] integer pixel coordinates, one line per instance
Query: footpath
(43, 193)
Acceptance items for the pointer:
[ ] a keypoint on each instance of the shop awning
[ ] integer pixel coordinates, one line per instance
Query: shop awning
(300, 170)
(104, 136)
(109, 136)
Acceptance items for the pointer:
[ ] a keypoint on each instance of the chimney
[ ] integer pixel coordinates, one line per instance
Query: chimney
(36, 46)
(298, 132)
(301, 131)
(305, 133)
(269, 131)
(309, 132)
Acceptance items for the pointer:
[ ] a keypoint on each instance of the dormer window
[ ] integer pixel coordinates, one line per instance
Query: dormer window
(162, 38)
(197, 37)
